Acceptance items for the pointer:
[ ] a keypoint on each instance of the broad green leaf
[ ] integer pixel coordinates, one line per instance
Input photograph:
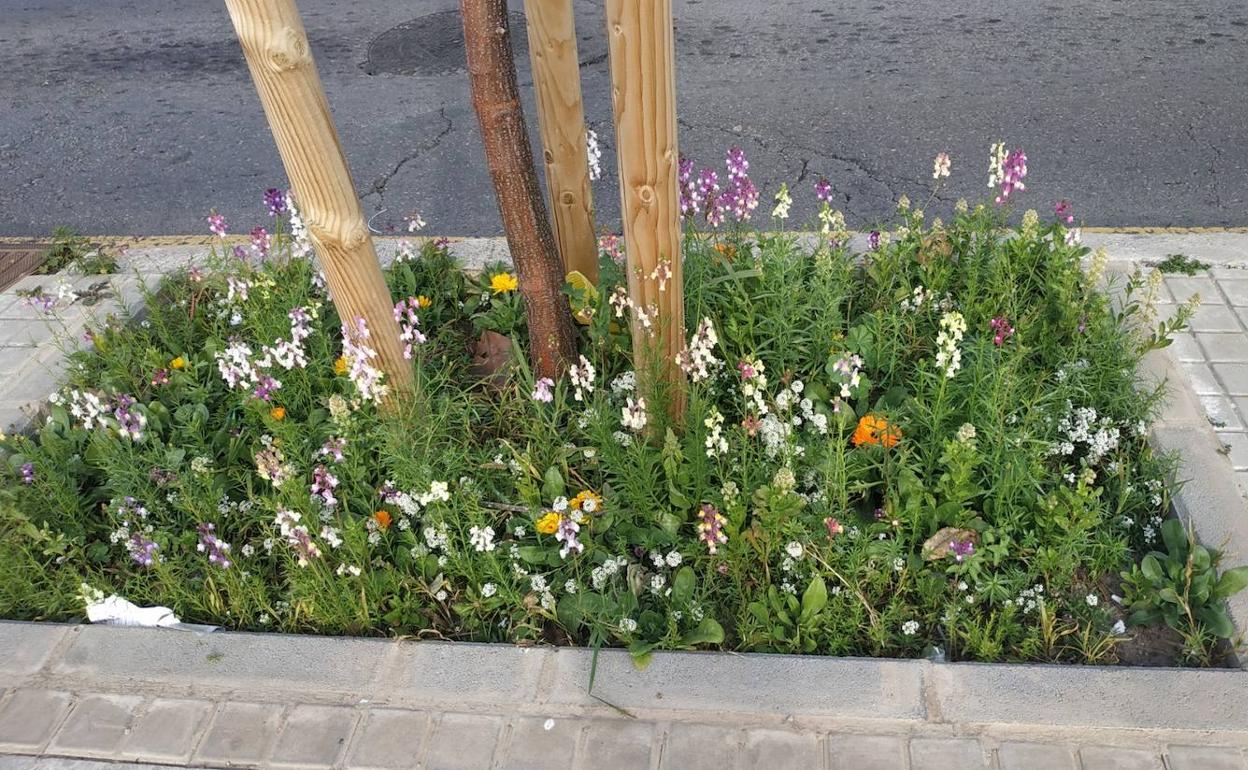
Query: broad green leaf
(1175, 538)
(1151, 568)
(1232, 582)
(683, 584)
(1215, 619)
(552, 484)
(708, 632)
(814, 598)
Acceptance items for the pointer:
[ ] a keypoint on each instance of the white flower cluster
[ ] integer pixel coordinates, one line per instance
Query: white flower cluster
(1029, 597)
(1082, 426)
(916, 300)
(949, 357)
(481, 538)
(301, 243)
(582, 376)
(593, 153)
(366, 377)
(624, 383)
(848, 369)
(633, 415)
(698, 359)
(716, 444)
(910, 627)
(600, 575)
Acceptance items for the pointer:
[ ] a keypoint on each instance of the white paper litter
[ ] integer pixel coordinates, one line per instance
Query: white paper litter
(116, 611)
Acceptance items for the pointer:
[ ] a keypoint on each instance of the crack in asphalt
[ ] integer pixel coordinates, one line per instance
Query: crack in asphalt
(378, 187)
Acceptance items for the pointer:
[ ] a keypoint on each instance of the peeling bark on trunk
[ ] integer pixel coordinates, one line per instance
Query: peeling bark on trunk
(496, 99)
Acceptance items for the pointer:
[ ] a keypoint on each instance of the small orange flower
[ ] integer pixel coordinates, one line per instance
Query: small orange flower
(423, 301)
(278, 413)
(382, 518)
(876, 430)
(548, 524)
(340, 365)
(178, 363)
(727, 249)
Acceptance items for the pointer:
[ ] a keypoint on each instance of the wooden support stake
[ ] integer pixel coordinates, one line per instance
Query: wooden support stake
(276, 48)
(643, 93)
(561, 123)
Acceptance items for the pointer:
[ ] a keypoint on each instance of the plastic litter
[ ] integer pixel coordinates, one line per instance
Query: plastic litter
(116, 611)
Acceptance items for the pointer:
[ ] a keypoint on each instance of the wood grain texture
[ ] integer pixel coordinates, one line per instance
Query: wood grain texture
(496, 100)
(277, 53)
(561, 124)
(643, 94)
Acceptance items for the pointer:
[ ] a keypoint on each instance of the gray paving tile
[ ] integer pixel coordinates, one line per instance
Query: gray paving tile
(463, 742)
(1234, 378)
(96, 726)
(1215, 318)
(1223, 346)
(866, 752)
(1221, 412)
(700, 746)
(1021, 755)
(388, 739)
(167, 730)
(240, 733)
(313, 736)
(946, 753)
(1204, 758)
(29, 717)
(1236, 290)
(1118, 758)
(541, 743)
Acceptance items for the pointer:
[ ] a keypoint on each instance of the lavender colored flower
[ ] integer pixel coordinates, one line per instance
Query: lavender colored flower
(873, 240)
(130, 422)
(707, 189)
(142, 550)
(542, 390)
(275, 201)
(738, 166)
(216, 224)
(388, 492)
(1002, 330)
(161, 377)
(1013, 170)
(323, 485)
(161, 477)
(265, 386)
(711, 527)
(41, 301)
(961, 549)
(567, 534)
(260, 241)
(240, 253)
(28, 473)
(333, 447)
(823, 190)
(218, 550)
(409, 324)
(1064, 212)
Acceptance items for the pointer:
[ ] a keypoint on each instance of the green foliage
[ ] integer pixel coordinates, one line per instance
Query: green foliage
(843, 410)
(1181, 587)
(1181, 263)
(72, 251)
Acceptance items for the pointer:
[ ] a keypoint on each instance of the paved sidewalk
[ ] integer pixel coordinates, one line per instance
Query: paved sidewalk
(1214, 354)
(273, 701)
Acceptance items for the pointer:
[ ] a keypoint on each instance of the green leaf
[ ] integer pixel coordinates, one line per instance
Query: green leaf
(1168, 594)
(1175, 538)
(683, 585)
(1151, 568)
(1215, 619)
(1232, 582)
(670, 523)
(641, 653)
(814, 599)
(552, 484)
(709, 631)
(759, 612)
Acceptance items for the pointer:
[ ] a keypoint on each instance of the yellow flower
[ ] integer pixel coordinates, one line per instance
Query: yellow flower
(423, 301)
(548, 524)
(586, 502)
(178, 363)
(278, 413)
(503, 283)
(340, 365)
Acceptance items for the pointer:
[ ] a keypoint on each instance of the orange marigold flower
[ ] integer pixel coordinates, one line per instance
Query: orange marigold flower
(340, 365)
(549, 523)
(278, 413)
(423, 301)
(876, 430)
(382, 518)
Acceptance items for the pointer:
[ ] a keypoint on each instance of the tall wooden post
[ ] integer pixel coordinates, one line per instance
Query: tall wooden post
(643, 93)
(276, 48)
(561, 122)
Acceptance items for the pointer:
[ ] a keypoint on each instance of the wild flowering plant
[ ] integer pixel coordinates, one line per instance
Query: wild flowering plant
(938, 444)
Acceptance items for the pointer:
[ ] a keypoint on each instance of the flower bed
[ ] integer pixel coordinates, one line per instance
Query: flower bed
(936, 445)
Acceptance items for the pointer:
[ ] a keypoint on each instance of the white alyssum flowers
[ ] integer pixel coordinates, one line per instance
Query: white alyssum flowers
(481, 538)
(910, 627)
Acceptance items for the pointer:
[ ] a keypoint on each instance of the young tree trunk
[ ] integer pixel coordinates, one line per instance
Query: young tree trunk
(496, 99)
(276, 49)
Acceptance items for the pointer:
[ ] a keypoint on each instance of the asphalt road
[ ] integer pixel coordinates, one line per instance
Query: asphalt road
(138, 116)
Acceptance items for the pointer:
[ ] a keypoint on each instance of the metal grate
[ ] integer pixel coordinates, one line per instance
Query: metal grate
(18, 260)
